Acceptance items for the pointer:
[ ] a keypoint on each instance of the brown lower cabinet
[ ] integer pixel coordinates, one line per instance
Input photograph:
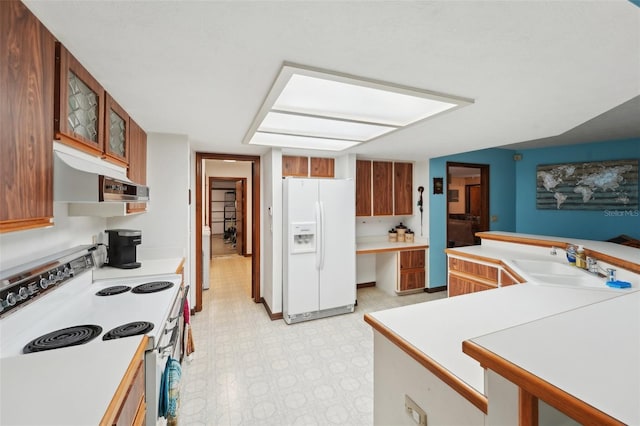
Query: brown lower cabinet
(412, 270)
(469, 275)
(459, 285)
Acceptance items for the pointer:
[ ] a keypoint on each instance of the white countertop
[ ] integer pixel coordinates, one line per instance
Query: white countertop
(148, 267)
(366, 245)
(464, 317)
(69, 386)
(591, 353)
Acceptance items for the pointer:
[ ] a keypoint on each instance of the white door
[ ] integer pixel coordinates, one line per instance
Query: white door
(337, 243)
(300, 286)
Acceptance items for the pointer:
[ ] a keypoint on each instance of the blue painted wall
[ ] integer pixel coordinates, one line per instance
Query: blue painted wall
(513, 199)
(501, 202)
(590, 225)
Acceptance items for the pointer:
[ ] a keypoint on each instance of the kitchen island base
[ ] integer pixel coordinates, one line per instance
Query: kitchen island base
(442, 404)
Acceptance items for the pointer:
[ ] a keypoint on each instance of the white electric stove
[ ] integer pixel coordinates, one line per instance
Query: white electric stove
(55, 303)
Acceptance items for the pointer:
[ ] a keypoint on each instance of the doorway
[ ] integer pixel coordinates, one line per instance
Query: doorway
(227, 210)
(250, 234)
(467, 203)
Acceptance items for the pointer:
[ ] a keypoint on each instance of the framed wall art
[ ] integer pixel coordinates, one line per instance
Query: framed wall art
(597, 185)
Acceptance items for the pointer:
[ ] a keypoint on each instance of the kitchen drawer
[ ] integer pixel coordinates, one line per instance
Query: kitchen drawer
(460, 285)
(473, 268)
(412, 259)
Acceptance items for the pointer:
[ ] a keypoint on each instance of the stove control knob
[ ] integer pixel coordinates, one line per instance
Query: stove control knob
(59, 276)
(23, 293)
(66, 272)
(51, 279)
(44, 283)
(11, 299)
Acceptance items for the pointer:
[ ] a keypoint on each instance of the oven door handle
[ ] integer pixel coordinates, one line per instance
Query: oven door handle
(184, 298)
(172, 342)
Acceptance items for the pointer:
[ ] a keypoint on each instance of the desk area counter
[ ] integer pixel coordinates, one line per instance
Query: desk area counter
(373, 245)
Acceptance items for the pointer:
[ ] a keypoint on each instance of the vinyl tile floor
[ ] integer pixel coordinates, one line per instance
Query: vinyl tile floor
(250, 370)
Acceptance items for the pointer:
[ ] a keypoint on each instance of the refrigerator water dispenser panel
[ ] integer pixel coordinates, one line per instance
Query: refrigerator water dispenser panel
(304, 237)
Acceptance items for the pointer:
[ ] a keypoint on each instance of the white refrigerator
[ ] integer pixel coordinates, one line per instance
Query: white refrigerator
(319, 248)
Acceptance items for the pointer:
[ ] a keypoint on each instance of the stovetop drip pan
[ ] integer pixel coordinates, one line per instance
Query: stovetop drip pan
(131, 329)
(112, 291)
(152, 287)
(70, 336)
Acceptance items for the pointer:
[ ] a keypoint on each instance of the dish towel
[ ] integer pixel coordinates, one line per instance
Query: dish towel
(170, 391)
(188, 346)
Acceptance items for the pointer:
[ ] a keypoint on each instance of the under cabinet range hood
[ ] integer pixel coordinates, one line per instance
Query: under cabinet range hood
(81, 178)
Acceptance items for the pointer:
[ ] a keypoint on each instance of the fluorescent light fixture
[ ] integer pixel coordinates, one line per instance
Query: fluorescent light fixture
(315, 109)
(229, 161)
(302, 142)
(295, 124)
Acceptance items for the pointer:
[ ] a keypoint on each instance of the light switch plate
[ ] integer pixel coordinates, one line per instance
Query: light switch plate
(414, 411)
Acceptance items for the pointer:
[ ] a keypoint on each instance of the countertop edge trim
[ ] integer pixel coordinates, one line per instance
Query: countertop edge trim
(123, 388)
(180, 267)
(570, 405)
(468, 392)
(392, 249)
(453, 252)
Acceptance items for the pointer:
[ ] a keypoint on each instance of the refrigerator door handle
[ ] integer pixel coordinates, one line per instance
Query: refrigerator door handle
(322, 235)
(318, 236)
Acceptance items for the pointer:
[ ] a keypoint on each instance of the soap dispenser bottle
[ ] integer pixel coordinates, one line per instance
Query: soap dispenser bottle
(581, 259)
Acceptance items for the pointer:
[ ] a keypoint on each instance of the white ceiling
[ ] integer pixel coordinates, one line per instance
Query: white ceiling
(536, 69)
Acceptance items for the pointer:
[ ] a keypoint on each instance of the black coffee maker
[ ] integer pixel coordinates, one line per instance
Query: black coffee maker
(121, 251)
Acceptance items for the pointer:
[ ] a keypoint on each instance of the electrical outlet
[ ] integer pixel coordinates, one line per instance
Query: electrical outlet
(414, 411)
(494, 218)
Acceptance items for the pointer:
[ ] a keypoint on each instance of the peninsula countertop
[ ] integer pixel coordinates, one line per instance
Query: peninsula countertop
(590, 353)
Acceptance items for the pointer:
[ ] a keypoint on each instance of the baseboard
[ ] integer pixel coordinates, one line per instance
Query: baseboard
(273, 316)
(369, 284)
(435, 289)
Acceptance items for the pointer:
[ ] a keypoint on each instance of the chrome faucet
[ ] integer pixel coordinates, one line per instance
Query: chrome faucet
(592, 265)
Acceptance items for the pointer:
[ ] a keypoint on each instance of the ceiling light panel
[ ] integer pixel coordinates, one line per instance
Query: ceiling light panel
(302, 142)
(329, 98)
(293, 124)
(315, 109)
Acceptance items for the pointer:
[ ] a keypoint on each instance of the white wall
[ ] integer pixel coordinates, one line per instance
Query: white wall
(272, 230)
(166, 224)
(20, 247)
(239, 169)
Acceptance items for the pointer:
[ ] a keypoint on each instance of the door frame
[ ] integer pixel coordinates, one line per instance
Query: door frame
(255, 222)
(484, 193)
(243, 207)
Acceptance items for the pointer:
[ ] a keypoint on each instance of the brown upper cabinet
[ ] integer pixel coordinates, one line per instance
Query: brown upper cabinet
(322, 167)
(26, 112)
(402, 189)
(295, 166)
(116, 133)
(299, 166)
(137, 162)
(79, 105)
(363, 188)
(384, 188)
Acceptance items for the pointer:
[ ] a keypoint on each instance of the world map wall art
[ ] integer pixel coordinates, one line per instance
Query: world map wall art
(598, 185)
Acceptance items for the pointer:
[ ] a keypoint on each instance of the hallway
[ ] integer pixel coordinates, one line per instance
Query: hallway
(249, 370)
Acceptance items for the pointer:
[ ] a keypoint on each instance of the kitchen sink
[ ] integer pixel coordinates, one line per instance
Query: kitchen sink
(556, 273)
